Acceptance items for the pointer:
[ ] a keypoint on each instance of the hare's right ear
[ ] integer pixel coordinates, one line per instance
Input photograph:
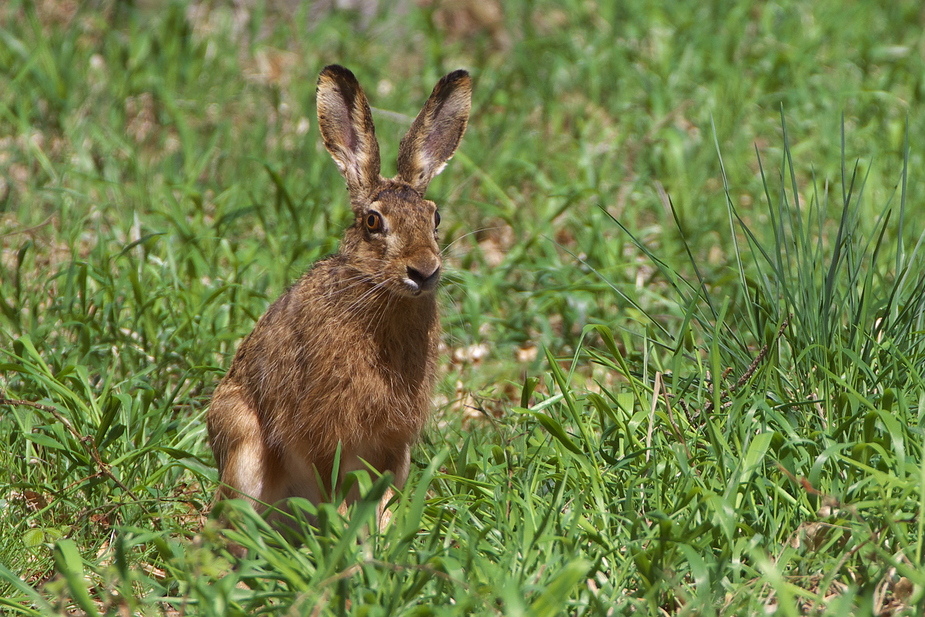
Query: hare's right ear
(435, 133)
(346, 125)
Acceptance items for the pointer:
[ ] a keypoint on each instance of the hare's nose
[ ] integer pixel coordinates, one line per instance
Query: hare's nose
(424, 279)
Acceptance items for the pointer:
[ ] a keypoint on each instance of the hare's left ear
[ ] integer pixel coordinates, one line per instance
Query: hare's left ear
(436, 132)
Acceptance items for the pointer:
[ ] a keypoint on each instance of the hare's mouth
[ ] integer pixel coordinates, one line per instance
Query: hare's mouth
(417, 282)
(412, 289)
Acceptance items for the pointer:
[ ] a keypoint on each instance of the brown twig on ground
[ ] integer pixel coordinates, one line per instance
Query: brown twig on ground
(741, 381)
(85, 440)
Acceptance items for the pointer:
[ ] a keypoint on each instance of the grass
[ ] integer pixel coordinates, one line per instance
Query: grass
(683, 367)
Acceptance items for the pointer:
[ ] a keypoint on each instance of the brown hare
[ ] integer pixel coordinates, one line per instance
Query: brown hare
(346, 357)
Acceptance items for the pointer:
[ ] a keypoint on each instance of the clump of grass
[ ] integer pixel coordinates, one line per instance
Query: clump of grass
(789, 397)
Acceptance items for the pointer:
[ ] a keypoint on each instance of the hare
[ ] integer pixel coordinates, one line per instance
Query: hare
(347, 356)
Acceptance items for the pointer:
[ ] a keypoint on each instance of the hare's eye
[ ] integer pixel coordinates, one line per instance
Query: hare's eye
(436, 220)
(373, 221)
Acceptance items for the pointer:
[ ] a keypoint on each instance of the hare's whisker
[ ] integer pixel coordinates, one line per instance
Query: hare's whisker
(467, 234)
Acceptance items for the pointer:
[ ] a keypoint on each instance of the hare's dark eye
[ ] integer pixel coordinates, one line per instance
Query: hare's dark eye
(373, 221)
(436, 220)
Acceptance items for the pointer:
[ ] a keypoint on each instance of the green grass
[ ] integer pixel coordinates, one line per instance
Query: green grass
(683, 323)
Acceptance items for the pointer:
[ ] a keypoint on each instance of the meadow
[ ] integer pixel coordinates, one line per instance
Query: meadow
(682, 369)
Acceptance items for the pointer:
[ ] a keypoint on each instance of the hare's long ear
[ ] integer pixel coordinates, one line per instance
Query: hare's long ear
(346, 125)
(436, 132)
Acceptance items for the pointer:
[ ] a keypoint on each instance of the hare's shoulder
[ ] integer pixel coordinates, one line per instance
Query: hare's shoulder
(316, 286)
(327, 275)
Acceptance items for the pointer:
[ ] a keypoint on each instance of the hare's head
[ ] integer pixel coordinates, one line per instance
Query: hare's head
(393, 240)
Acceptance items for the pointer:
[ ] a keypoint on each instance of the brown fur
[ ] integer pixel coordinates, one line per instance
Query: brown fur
(347, 355)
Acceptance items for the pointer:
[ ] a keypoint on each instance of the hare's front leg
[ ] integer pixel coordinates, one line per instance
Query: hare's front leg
(396, 459)
(399, 465)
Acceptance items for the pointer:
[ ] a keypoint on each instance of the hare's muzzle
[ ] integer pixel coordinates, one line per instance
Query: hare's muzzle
(422, 278)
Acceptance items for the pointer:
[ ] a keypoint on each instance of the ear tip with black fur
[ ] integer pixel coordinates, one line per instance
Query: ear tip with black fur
(337, 73)
(457, 84)
(459, 75)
